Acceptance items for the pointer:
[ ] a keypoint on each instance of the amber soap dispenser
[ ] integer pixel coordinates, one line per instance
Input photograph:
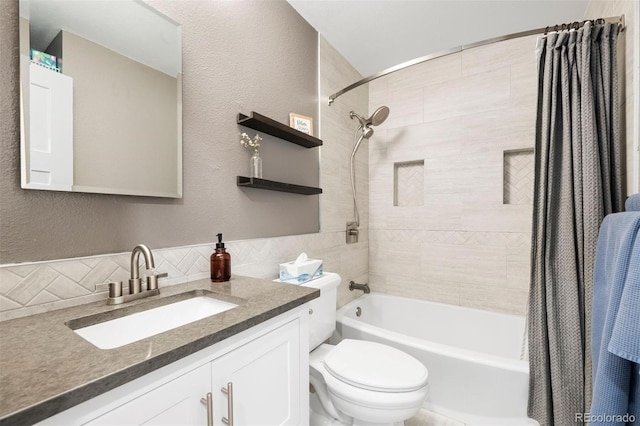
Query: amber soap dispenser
(220, 263)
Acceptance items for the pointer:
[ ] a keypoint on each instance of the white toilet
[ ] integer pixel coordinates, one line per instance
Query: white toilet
(358, 382)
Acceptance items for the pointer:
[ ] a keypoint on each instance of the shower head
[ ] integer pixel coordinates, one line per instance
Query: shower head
(366, 126)
(377, 118)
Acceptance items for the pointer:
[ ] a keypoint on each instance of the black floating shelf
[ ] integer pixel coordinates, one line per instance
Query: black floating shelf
(249, 182)
(274, 128)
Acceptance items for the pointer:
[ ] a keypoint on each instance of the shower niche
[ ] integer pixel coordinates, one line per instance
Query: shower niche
(518, 176)
(408, 184)
(281, 131)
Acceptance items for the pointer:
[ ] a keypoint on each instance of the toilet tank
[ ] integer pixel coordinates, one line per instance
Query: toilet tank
(322, 311)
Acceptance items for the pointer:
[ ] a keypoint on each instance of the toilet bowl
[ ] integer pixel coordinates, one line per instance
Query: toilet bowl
(367, 383)
(357, 382)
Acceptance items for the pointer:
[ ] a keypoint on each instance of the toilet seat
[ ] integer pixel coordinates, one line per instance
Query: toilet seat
(372, 399)
(375, 367)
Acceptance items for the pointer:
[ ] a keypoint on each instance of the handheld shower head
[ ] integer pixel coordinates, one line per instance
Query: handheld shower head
(377, 118)
(367, 131)
(366, 126)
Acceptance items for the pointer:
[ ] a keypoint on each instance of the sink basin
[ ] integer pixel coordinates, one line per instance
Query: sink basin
(140, 325)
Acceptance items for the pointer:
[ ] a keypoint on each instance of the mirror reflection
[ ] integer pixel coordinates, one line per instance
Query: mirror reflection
(101, 98)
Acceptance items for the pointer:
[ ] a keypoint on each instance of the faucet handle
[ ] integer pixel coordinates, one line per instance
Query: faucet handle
(152, 280)
(115, 289)
(151, 272)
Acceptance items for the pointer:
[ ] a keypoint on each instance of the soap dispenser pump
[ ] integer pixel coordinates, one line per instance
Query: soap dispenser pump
(220, 263)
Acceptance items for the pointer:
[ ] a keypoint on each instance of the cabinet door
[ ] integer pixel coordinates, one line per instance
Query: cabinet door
(174, 403)
(50, 144)
(265, 377)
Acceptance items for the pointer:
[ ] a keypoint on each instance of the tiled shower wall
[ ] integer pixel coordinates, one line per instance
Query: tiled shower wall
(464, 125)
(30, 288)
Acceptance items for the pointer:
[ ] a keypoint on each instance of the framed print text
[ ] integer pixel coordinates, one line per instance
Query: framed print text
(301, 123)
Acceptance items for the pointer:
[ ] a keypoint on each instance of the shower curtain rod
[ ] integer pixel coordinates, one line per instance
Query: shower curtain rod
(545, 30)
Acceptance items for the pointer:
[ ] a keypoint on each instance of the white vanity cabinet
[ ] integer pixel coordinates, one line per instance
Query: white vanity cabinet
(258, 384)
(174, 403)
(258, 377)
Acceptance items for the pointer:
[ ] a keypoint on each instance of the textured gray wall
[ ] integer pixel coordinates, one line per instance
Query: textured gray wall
(237, 56)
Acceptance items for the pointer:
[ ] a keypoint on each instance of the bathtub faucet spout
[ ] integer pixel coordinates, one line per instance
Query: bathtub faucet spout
(355, 286)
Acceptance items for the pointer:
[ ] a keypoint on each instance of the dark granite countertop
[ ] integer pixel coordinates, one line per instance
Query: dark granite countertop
(46, 368)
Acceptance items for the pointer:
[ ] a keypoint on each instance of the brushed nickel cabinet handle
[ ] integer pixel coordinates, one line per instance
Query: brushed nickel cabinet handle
(229, 392)
(209, 403)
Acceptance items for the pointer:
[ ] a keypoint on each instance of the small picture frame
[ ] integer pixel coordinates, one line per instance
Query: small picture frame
(301, 123)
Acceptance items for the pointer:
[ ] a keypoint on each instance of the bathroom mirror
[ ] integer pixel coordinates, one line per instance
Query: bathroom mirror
(101, 98)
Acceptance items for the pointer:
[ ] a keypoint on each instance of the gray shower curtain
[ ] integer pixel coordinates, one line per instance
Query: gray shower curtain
(578, 180)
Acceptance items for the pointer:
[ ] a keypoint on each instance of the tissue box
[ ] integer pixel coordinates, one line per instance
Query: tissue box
(300, 271)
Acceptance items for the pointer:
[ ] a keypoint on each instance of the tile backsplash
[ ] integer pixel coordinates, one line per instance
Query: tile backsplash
(31, 288)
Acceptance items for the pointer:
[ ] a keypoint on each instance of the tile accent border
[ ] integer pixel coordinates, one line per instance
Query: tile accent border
(482, 270)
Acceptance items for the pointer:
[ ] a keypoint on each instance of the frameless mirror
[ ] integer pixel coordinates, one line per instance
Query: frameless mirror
(101, 98)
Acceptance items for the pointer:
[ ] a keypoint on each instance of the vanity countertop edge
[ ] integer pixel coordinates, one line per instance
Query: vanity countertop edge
(46, 368)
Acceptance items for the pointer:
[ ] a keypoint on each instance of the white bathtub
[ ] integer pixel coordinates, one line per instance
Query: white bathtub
(473, 356)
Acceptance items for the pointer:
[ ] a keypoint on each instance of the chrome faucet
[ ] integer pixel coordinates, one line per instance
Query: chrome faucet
(135, 283)
(355, 286)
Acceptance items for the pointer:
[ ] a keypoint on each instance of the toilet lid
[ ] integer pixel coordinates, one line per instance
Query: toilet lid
(374, 366)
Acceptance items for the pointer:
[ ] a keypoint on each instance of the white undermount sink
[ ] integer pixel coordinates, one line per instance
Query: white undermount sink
(140, 325)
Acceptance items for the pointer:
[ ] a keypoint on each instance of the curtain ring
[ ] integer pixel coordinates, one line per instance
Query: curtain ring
(546, 30)
(555, 28)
